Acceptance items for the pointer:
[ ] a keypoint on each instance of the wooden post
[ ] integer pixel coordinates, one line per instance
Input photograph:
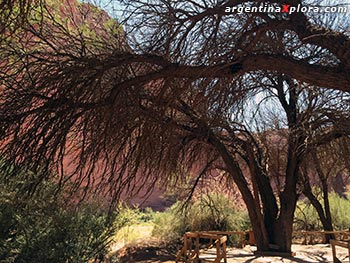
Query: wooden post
(333, 251)
(218, 252)
(242, 235)
(224, 250)
(334, 243)
(305, 238)
(251, 240)
(191, 247)
(185, 247)
(312, 238)
(196, 249)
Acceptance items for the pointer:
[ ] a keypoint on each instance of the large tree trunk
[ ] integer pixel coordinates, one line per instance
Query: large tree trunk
(284, 225)
(283, 228)
(271, 233)
(272, 227)
(255, 215)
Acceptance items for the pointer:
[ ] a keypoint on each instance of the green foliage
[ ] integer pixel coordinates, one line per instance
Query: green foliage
(72, 25)
(210, 212)
(42, 228)
(133, 224)
(81, 20)
(340, 210)
(127, 216)
(170, 225)
(306, 217)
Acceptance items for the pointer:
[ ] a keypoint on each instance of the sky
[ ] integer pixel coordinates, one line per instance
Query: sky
(112, 7)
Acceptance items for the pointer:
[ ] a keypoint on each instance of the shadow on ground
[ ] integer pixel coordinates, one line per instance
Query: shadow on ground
(166, 253)
(147, 253)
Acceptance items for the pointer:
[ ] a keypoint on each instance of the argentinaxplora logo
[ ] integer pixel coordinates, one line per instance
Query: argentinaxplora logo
(287, 8)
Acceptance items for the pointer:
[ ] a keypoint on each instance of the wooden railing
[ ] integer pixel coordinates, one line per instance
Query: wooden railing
(191, 248)
(242, 241)
(345, 244)
(310, 237)
(191, 242)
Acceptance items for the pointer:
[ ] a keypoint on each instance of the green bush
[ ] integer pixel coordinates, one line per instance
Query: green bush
(340, 210)
(127, 216)
(210, 212)
(43, 228)
(306, 217)
(170, 225)
(133, 224)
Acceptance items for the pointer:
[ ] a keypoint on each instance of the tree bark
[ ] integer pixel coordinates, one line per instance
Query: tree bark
(257, 221)
(324, 212)
(288, 200)
(268, 230)
(325, 221)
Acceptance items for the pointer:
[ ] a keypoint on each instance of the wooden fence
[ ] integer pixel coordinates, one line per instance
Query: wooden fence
(314, 237)
(191, 249)
(345, 244)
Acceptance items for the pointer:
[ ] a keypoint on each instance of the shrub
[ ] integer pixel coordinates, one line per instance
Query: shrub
(42, 228)
(170, 225)
(306, 217)
(209, 212)
(340, 210)
(133, 224)
(127, 216)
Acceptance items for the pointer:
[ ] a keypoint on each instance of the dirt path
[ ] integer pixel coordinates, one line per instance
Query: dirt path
(304, 254)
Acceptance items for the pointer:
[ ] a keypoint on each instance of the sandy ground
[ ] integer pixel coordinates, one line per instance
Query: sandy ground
(304, 254)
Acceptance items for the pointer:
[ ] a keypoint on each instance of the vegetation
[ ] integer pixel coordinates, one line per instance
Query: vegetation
(133, 224)
(306, 216)
(44, 228)
(209, 212)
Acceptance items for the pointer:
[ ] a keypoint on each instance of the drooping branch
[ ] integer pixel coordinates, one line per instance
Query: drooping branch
(336, 42)
(323, 76)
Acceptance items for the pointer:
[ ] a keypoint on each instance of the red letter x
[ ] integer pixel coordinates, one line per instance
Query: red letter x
(285, 8)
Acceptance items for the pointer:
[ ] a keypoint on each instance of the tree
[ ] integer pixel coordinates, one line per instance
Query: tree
(327, 163)
(176, 97)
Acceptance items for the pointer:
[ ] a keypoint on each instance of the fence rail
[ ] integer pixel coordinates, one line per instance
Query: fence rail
(345, 244)
(310, 237)
(192, 247)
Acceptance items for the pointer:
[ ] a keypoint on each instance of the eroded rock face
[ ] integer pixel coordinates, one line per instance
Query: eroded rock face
(70, 24)
(58, 36)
